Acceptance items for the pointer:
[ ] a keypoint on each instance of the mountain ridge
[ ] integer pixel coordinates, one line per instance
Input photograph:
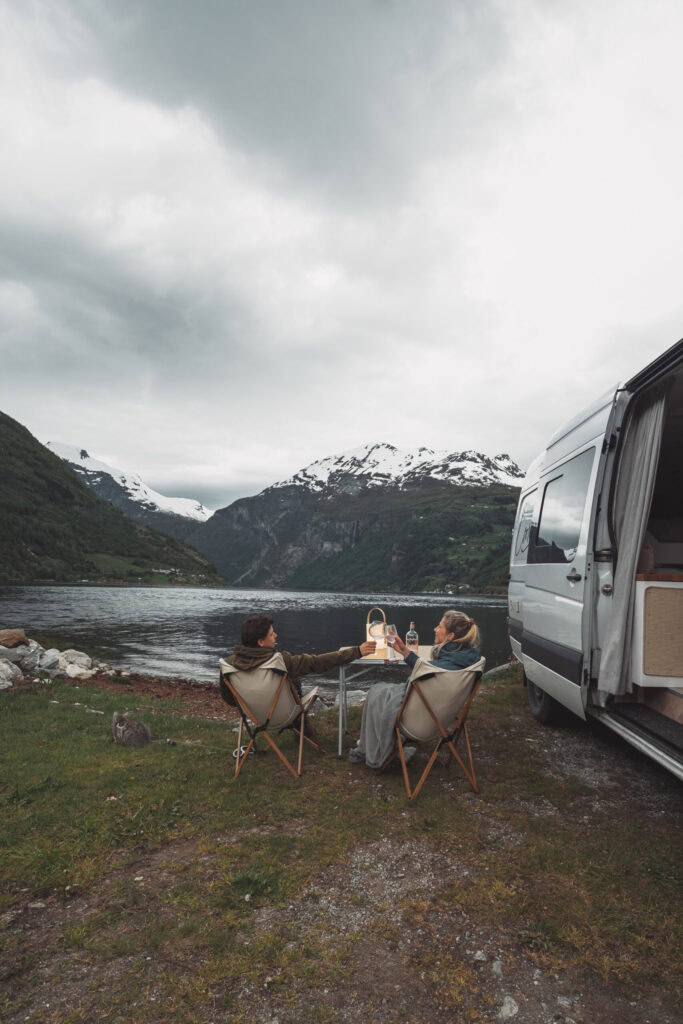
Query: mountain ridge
(372, 518)
(54, 528)
(176, 517)
(382, 464)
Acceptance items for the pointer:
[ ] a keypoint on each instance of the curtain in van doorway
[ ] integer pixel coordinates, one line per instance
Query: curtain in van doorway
(631, 509)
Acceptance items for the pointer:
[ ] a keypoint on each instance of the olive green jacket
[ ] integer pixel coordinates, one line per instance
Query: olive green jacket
(244, 658)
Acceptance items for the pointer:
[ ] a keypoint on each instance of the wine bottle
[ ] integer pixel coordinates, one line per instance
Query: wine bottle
(412, 638)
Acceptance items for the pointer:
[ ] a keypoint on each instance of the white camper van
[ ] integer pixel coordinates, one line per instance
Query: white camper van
(595, 601)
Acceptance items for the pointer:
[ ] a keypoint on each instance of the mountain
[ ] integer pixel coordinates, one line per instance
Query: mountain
(53, 528)
(373, 518)
(177, 517)
(382, 465)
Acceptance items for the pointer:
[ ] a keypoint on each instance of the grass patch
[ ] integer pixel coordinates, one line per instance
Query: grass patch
(178, 868)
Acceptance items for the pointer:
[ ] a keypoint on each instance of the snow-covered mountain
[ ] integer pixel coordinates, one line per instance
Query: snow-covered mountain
(135, 487)
(373, 519)
(128, 492)
(381, 465)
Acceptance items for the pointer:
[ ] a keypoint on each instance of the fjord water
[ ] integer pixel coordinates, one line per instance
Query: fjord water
(182, 632)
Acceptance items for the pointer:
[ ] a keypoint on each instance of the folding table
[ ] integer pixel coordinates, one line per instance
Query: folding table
(423, 651)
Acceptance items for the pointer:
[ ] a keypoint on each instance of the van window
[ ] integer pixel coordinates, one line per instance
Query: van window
(523, 527)
(561, 515)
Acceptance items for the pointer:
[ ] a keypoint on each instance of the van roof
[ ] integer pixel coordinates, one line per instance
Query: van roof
(599, 403)
(659, 367)
(668, 361)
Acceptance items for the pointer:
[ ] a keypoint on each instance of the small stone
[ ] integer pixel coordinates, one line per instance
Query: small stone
(497, 968)
(139, 878)
(480, 955)
(509, 1009)
(36, 906)
(563, 1001)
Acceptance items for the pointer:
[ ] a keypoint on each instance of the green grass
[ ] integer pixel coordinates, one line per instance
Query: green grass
(79, 814)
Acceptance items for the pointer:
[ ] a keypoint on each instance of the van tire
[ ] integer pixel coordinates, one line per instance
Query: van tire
(543, 707)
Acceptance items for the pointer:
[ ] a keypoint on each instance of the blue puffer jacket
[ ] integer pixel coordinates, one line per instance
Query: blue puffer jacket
(451, 656)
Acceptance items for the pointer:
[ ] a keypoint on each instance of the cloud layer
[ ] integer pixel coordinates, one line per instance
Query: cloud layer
(236, 238)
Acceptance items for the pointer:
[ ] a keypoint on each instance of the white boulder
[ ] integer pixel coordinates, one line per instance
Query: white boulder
(71, 657)
(9, 674)
(76, 672)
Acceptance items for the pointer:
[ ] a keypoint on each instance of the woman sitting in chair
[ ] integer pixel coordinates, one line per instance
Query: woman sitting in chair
(456, 647)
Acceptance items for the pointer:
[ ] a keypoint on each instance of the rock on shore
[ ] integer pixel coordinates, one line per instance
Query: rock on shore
(22, 658)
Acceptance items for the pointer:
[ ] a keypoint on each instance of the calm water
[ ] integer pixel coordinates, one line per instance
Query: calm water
(183, 632)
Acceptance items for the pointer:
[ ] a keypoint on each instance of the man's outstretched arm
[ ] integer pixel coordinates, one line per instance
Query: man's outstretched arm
(304, 664)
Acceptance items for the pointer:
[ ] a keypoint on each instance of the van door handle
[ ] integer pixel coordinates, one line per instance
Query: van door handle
(574, 576)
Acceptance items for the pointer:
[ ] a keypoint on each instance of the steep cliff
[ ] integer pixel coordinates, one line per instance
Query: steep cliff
(432, 536)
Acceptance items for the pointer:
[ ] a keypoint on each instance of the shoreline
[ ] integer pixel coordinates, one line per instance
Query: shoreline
(499, 596)
(198, 699)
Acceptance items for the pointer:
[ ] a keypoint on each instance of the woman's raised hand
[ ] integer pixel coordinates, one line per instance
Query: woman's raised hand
(399, 646)
(367, 648)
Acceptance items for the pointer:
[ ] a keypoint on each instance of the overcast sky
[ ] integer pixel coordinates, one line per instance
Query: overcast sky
(239, 235)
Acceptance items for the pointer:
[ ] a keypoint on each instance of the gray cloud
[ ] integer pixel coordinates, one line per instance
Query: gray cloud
(238, 237)
(329, 97)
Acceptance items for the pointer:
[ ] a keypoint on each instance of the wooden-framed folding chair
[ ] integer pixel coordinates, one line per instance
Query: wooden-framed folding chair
(434, 710)
(267, 701)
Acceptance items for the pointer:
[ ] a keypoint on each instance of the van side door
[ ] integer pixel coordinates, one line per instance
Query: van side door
(555, 577)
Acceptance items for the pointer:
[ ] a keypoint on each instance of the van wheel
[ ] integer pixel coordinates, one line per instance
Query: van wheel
(543, 707)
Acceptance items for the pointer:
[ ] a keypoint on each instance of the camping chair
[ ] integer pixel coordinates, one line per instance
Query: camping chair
(435, 710)
(267, 700)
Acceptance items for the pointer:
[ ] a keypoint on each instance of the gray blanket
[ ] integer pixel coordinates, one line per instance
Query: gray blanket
(378, 724)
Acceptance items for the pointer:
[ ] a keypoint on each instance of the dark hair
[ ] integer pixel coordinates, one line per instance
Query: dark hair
(255, 629)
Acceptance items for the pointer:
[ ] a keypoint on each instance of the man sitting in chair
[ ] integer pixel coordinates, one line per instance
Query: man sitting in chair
(258, 643)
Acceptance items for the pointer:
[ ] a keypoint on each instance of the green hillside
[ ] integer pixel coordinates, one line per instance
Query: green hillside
(53, 528)
(445, 538)
(432, 537)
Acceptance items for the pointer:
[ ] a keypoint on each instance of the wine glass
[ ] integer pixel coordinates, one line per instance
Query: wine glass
(391, 635)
